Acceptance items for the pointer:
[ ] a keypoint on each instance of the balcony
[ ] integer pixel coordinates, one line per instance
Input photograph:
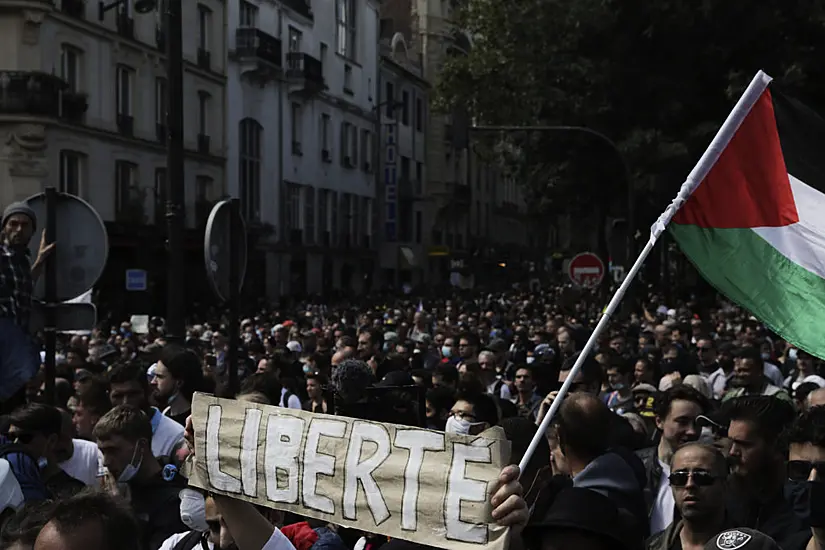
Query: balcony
(204, 59)
(126, 125)
(74, 8)
(301, 7)
(30, 93)
(258, 53)
(125, 25)
(203, 144)
(73, 106)
(306, 73)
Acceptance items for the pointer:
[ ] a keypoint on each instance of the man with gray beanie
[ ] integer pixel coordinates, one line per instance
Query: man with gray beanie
(19, 358)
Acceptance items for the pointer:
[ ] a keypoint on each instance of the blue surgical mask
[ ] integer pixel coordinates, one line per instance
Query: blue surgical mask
(131, 469)
(766, 356)
(446, 351)
(306, 368)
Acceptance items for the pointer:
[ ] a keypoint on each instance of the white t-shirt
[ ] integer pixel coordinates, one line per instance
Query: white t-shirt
(85, 464)
(294, 402)
(662, 514)
(166, 434)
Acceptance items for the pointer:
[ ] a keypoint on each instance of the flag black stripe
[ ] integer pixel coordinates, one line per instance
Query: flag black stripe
(802, 137)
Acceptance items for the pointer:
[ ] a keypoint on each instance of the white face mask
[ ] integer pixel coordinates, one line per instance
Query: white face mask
(193, 510)
(460, 426)
(131, 469)
(531, 360)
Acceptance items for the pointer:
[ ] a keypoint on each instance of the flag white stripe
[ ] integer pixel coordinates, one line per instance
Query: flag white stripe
(803, 242)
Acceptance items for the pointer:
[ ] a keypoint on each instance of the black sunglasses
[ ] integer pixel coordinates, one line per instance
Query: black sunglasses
(701, 478)
(800, 470)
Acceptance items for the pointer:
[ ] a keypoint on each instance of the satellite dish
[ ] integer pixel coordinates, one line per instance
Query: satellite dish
(82, 245)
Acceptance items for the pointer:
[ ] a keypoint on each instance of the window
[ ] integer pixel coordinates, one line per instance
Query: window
(294, 40)
(125, 8)
(203, 113)
(296, 129)
(478, 217)
(366, 217)
(345, 14)
(419, 178)
(405, 170)
(419, 114)
(248, 14)
(324, 55)
(389, 100)
(203, 190)
(348, 79)
(125, 189)
(161, 98)
(293, 203)
(309, 215)
(367, 150)
(349, 145)
(70, 66)
(125, 78)
(405, 108)
(249, 168)
(418, 226)
(71, 172)
(332, 203)
(160, 196)
(326, 148)
(323, 221)
(204, 27)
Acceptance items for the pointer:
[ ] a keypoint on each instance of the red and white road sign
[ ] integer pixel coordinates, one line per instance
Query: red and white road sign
(586, 270)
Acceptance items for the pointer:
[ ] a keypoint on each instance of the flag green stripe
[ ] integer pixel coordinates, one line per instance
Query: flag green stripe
(785, 296)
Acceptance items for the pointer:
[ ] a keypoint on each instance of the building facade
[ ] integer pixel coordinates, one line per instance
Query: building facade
(465, 199)
(301, 121)
(82, 108)
(404, 210)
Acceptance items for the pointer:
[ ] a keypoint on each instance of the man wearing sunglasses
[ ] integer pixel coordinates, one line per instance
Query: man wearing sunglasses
(698, 482)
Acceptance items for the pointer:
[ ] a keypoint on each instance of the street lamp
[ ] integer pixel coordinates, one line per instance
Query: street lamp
(631, 208)
(175, 184)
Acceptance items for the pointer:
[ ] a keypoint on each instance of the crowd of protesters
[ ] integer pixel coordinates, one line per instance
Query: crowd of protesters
(686, 423)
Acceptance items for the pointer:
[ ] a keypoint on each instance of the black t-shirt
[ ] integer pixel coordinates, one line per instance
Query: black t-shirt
(157, 506)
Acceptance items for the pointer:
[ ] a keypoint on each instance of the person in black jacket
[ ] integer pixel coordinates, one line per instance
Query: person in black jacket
(124, 436)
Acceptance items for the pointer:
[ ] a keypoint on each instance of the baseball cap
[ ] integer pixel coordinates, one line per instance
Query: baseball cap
(498, 346)
(741, 538)
(294, 346)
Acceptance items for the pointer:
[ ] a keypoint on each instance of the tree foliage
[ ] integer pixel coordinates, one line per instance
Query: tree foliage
(656, 77)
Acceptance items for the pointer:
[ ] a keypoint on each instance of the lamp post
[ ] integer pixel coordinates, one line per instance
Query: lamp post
(175, 183)
(631, 207)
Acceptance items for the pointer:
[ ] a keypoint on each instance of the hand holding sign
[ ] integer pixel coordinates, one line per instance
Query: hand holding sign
(348, 471)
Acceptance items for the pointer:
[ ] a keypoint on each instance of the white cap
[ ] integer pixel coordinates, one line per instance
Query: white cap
(294, 347)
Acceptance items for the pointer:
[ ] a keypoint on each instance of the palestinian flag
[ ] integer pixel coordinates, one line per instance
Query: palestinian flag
(755, 225)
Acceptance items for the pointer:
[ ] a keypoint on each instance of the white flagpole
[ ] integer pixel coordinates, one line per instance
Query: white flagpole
(757, 86)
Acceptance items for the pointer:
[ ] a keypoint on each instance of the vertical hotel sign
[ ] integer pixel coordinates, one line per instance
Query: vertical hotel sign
(390, 184)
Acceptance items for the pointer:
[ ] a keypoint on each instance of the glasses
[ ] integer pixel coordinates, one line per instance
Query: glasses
(800, 470)
(701, 478)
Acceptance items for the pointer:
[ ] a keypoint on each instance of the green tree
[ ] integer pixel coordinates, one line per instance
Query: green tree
(656, 77)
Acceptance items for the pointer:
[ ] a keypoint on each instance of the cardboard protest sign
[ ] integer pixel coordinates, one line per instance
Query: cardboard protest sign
(408, 483)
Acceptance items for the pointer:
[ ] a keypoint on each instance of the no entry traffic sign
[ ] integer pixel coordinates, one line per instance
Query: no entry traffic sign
(586, 270)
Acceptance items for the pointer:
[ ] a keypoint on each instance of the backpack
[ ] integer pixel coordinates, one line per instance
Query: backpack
(191, 540)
